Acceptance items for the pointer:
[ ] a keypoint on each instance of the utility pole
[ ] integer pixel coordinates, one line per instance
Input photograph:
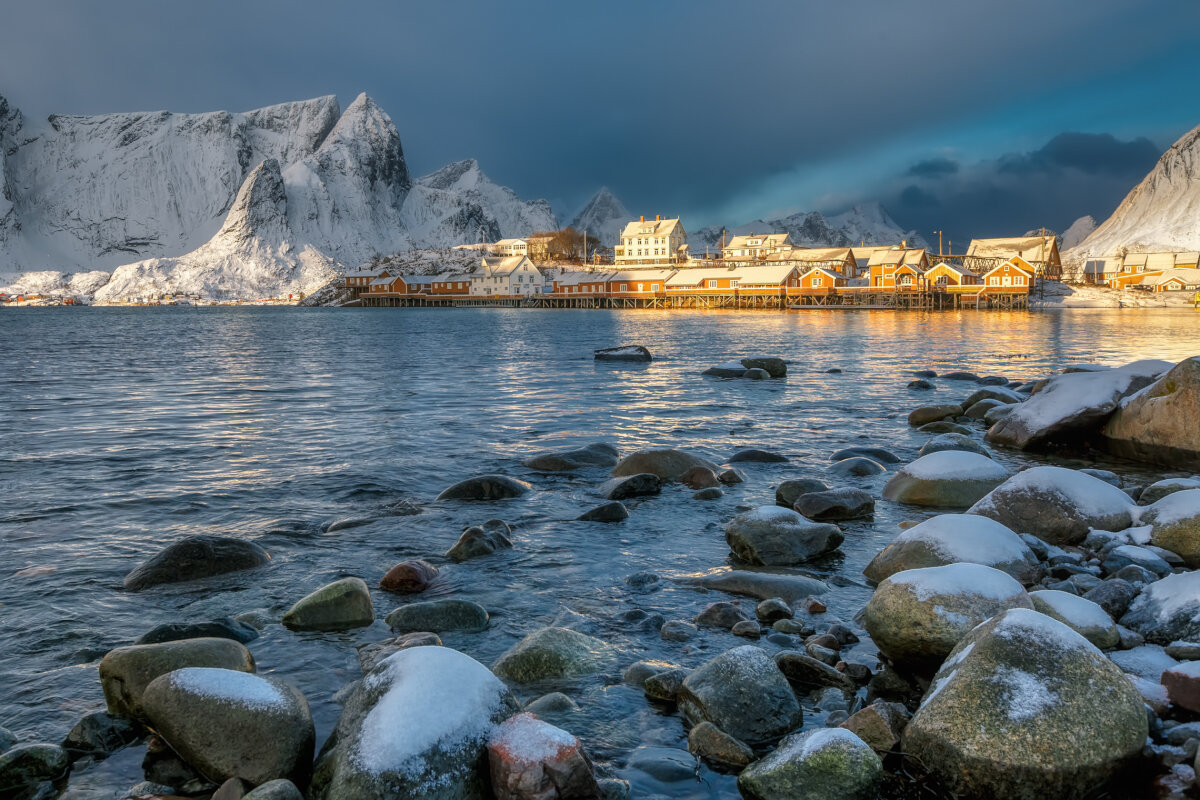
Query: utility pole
(940, 251)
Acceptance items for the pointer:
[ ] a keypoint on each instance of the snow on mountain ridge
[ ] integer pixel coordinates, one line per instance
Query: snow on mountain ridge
(862, 224)
(603, 216)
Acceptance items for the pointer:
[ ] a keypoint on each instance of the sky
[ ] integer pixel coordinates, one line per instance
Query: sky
(976, 118)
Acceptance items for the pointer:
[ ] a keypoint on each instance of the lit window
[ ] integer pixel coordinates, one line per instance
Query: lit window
(712, 284)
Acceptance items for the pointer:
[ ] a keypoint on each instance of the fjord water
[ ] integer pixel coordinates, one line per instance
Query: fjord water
(126, 429)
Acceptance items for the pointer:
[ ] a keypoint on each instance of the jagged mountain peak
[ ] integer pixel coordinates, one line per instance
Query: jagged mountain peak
(603, 216)
(465, 174)
(260, 209)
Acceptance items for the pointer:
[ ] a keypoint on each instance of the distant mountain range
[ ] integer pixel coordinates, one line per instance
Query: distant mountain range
(862, 225)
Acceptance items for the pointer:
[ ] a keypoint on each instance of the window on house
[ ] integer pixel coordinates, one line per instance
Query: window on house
(733, 284)
(818, 282)
(624, 287)
(712, 284)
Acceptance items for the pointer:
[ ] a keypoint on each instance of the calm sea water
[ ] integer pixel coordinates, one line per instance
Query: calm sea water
(122, 430)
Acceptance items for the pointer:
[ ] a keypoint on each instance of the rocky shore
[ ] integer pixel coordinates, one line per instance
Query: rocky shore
(1037, 637)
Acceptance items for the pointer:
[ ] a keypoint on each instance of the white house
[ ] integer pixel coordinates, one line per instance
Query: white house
(754, 247)
(511, 247)
(512, 276)
(657, 241)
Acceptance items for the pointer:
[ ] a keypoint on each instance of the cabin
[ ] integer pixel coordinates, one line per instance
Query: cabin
(420, 284)
(1174, 280)
(1015, 274)
(767, 280)
(515, 276)
(387, 284)
(1098, 271)
(884, 264)
(451, 283)
(821, 279)
(723, 280)
(1040, 251)
(359, 280)
(510, 247)
(839, 259)
(572, 284)
(863, 254)
(657, 241)
(755, 247)
(949, 276)
(639, 283)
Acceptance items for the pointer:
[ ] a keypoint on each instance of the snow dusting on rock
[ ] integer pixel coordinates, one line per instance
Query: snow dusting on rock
(958, 579)
(242, 688)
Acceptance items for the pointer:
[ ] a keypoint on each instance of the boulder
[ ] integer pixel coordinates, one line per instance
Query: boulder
(997, 413)
(945, 479)
(98, 735)
(999, 393)
(716, 747)
(835, 504)
(223, 628)
(880, 725)
(711, 493)
(1057, 505)
(33, 772)
(815, 765)
(409, 577)
(775, 367)
(639, 485)
(960, 375)
(757, 456)
(808, 672)
(229, 724)
(1026, 708)
(1073, 404)
(278, 789)
(953, 441)
(955, 538)
(1167, 610)
(857, 467)
(532, 760)
(877, 454)
(756, 374)
(762, 585)
(126, 671)
(665, 463)
(480, 540)
(486, 487)
(447, 614)
(730, 369)
(1160, 489)
(920, 385)
(787, 491)
(337, 606)
(196, 557)
(775, 536)
(916, 617)
(553, 653)
(944, 426)
(721, 615)
(597, 454)
(1175, 524)
(371, 653)
(773, 608)
(1182, 683)
(1080, 615)
(1159, 423)
(926, 414)
(700, 478)
(630, 352)
(731, 476)
(664, 686)
(743, 693)
(552, 704)
(980, 410)
(416, 727)
(613, 511)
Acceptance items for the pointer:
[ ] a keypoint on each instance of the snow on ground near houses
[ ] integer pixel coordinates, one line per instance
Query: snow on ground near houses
(1024, 625)
(435, 697)
(1086, 493)
(1055, 294)
(955, 465)
(967, 537)
(1067, 396)
(1076, 611)
(958, 580)
(1147, 661)
(241, 688)
(1023, 692)
(526, 738)
(1173, 508)
(1172, 595)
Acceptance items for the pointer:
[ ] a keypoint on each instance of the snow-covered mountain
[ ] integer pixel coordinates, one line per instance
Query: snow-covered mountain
(277, 200)
(1080, 229)
(863, 224)
(604, 216)
(1161, 213)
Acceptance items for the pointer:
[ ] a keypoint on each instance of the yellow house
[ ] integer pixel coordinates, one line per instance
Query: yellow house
(950, 276)
(1039, 251)
(1016, 274)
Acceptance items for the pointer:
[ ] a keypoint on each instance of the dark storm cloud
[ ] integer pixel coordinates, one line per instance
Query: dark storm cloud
(933, 168)
(1093, 153)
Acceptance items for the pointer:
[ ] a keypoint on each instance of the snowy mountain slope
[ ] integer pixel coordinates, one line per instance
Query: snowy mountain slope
(863, 224)
(604, 216)
(1080, 229)
(1161, 213)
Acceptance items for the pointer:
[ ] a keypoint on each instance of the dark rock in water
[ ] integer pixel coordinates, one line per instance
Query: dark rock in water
(439, 615)
(643, 582)
(1114, 596)
(756, 375)
(961, 376)
(733, 369)
(597, 454)
(763, 585)
(98, 735)
(609, 512)
(833, 371)
(775, 367)
(126, 671)
(634, 352)
(731, 476)
(663, 764)
(480, 540)
(161, 765)
(992, 380)
(743, 693)
(677, 631)
(700, 478)
(7, 739)
(26, 771)
(223, 628)
(709, 493)
(409, 577)
(714, 746)
(486, 487)
(666, 463)
(953, 441)
(773, 609)
(553, 653)
(788, 491)
(196, 557)
(924, 373)
(639, 485)
(997, 393)
(552, 703)
(857, 466)
(747, 629)
(773, 536)
(873, 453)
(336, 606)
(722, 615)
(920, 385)
(664, 686)
(835, 504)
(370, 654)
(942, 426)
(803, 669)
(926, 414)
(980, 409)
(759, 456)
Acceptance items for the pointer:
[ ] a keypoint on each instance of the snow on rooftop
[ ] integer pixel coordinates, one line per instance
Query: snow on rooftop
(1076, 611)
(241, 688)
(1088, 493)
(951, 464)
(435, 697)
(967, 537)
(958, 579)
(526, 738)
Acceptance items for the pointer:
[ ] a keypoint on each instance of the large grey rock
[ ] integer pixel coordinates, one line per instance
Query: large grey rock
(1057, 505)
(486, 487)
(666, 463)
(815, 765)
(835, 504)
(230, 724)
(639, 485)
(126, 671)
(416, 727)
(448, 614)
(763, 585)
(775, 367)
(916, 617)
(597, 454)
(775, 536)
(955, 538)
(196, 557)
(1072, 405)
(1175, 524)
(480, 540)
(33, 772)
(337, 606)
(1026, 708)
(945, 479)
(1161, 423)
(1167, 610)
(553, 653)
(743, 693)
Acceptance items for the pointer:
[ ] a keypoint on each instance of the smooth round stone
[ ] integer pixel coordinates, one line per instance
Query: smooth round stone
(666, 463)
(757, 456)
(677, 631)
(957, 538)
(613, 511)
(126, 671)
(223, 628)
(774, 536)
(553, 653)
(743, 693)
(1080, 615)
(634, 352)
(197, 557)
(942, 426)
(920, 385)
(947, 479)
(815, 765)
(409, 577)
(597, 454)
(788, 491)
(874, 453)
(439, 616)
(640, 485)
(337, 606)
(926, 414)
(953, 441)
(835, 504)
(486, 487)
(856, 467)
(711, 493)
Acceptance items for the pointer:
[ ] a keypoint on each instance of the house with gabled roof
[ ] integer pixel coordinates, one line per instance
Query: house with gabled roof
(639, 282)
(1040, 251)
(506, 277)
(945, 275)
(883, 269)
(755, 247)
(650, 242)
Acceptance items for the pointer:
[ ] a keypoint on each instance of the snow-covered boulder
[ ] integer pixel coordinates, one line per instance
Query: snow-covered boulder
(1057, 505)
(1026, 708)
(1161, 423)
(916, 617)
(417, 727)
(1167, 610)
(945, 479)
(1175, 524)
(953, 441)
(815, 765)
(1073, 404)
(1160, 489)
(1079, 614)
(775, 536)
(532, 760)
(743, 693)
(230, 724)
(125, 672)
(956, 538)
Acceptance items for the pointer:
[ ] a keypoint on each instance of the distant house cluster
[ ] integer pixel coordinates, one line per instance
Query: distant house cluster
(1150, 272)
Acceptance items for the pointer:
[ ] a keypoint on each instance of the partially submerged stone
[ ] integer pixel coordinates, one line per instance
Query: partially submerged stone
(449, 614)
(718, 748)
(126, 671)
(481, 540)
(412, 576)
(815, 765)
(760, 584)
(630, 352)
(835, 504)
(197, 557)
(533, 760)
(787, 492)
(639, 485)
(743, 693)
(776, 536)
(1161, 423)
(597, 454)
(486, 487)
(337, 606)
(553, 653)
(667, 464)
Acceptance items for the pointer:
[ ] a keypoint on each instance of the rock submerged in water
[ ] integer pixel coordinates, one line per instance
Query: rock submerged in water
(775, 367)
(409, 577)
(789, 491)
(1026, 708)
(743, 693)
(98, 735)
(775, 536)
(480, 540)
(633, 352)
(665, 463)
(609, 512)
(33, 772)
(640, 485)
(597, 454)
(877, 454)
(714, 746)
(763, 585)
(758, 456)
(337, 606)
(1159, 424)
(486, 487)
(230, 724)
(953, 441)
(416, 727)
(553, 653)
(957, 538)
(532, 760)
(926, 414)
(448, 614)
(126, 671)
(196, 557)
(223, 628)
(857, 467)
(815, 765)
(945, 479)
(835, 504)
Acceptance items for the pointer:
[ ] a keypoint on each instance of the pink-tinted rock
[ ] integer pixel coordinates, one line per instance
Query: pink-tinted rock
(533, 760)
(700, 478)
(409, 577)
(1183, 685)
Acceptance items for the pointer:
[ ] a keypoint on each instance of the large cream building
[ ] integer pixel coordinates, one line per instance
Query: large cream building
(656, 241)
